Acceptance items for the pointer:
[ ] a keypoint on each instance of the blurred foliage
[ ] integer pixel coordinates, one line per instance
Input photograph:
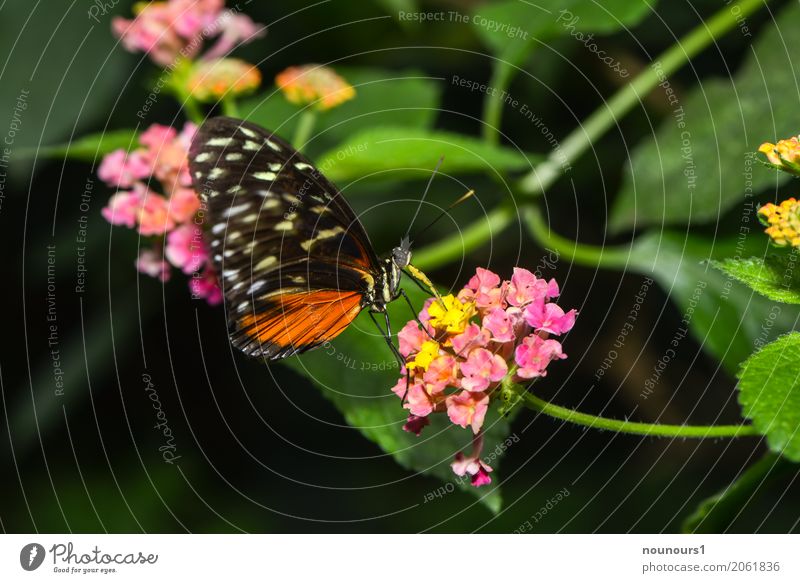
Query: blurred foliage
(395, 149)
(727, 318)
(89, 148)
(69, 65)
(406, 98)
(700, 162)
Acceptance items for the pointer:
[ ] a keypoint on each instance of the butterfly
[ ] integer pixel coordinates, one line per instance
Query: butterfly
(295, 264)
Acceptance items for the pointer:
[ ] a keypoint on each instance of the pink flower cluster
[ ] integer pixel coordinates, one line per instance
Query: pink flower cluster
(491, 331)
(162, 156)
(167, 30)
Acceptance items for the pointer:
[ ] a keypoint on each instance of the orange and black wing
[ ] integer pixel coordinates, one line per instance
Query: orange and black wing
(294, 262)
(296, 321)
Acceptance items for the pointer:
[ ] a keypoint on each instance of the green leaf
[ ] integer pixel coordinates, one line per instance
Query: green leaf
(90, 148)
(700, 162)
(395, 6)
(776, 277)
(716, 513)
(726, 317)
(513, 28)
(408, 150)
(356, 372)
(68, 72)
(504, 27)
(383, 97)
(769, 393)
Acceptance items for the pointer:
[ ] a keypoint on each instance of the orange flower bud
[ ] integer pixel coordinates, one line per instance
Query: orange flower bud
(213, 80)
(314, 84)
(782, 222)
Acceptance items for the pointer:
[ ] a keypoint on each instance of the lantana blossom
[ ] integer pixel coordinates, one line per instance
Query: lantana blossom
(491, 331)
(212, 81)
(314, 84)
(171, 218)
(782, 222)
(172, 29)
(785, 155)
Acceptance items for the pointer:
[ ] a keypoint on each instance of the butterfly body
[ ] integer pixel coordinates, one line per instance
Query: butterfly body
(294, 262)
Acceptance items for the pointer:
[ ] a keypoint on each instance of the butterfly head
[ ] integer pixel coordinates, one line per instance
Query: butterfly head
(401, 255)
(393, 266)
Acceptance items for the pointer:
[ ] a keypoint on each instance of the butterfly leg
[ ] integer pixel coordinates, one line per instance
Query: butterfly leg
(387, 335)
(414, 313)
(402, 361)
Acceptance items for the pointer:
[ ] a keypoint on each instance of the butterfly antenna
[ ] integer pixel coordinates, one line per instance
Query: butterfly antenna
(461, 199)
(416, 275)
(424, 194)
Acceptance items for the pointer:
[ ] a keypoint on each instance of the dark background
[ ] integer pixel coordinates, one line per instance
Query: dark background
(262, 450)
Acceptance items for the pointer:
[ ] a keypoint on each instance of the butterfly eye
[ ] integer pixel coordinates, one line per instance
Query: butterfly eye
(401, 257)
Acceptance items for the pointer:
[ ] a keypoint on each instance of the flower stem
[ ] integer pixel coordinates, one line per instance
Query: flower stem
(588, 255)
(631, 427)
(582, 138)
(229, 106)
(304, 128)
(503, 73)
(192, 110)
(464, 241)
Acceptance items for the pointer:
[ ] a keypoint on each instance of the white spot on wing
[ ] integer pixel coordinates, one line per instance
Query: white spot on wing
(322, 234)
(219, 141)
(266, 262)
(303, 166)
(257, 285)
(249, 133)
(216, 173)
(283, 226)
(233, 156)
(234, 210)
(270, 203)
(265, 175)
(202, 157)
(273, 145)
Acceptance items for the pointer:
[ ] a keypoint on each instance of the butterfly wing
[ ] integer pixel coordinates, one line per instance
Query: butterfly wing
(295, 264)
